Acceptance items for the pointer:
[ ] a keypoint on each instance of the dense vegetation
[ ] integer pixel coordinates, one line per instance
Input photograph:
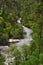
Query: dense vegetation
(9, 28)
(31, 12)
(2, 60)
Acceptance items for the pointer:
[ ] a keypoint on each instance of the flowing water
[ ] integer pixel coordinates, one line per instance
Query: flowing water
(26, 40)
(27, 36)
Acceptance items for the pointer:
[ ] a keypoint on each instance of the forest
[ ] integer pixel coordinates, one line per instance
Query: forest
(31, 13)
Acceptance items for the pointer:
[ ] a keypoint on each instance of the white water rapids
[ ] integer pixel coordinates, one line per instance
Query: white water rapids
(27, 36)
(26, 40)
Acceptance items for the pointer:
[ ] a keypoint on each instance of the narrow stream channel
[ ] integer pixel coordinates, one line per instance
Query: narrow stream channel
(26, 40)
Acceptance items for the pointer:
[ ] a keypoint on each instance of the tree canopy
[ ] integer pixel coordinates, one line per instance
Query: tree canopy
(31, 13)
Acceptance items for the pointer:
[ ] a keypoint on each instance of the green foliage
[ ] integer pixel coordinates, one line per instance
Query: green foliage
(15, 53)
(2, 59)
(9, 28)
(32, 17)
(41, 58)
(25, 51)
(32, 61)
(31, 12)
